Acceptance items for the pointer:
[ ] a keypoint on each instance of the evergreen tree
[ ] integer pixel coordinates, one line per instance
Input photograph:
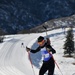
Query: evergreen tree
(1, 35)
(69, 43)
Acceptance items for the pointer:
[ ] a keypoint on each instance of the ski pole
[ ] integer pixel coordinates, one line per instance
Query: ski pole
(50, 53)
(45, 29)
(31, 62)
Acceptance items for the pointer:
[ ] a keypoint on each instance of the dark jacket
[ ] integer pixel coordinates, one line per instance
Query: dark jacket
(48, 46)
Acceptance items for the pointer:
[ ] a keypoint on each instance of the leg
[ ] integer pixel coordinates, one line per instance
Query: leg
(51, 67)
(43, 69)
(51, 70)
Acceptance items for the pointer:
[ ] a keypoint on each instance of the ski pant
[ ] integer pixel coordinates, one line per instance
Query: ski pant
(47, 66)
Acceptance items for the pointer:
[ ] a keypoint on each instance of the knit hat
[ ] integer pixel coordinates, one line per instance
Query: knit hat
(40, 38)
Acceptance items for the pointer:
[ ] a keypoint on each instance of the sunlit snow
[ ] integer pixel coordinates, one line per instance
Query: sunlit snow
(14, 58)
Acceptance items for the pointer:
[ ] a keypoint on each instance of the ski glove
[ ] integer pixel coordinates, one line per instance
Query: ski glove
(27, 49)
(48, 49)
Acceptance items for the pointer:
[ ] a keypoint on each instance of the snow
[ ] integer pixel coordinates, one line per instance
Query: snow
(14, 58)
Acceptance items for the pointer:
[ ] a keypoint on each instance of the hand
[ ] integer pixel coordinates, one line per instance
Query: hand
(27, 49)
(48, 49)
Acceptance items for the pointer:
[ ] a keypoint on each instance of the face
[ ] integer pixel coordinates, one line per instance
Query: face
(41, 43)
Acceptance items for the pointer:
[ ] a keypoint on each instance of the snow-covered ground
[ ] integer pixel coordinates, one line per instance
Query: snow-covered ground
(14, 58)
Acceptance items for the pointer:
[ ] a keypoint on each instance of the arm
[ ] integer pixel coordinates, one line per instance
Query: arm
(50, 49)
(33, 51)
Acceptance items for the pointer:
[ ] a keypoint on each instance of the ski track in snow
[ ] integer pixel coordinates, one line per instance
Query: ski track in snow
(14, 59)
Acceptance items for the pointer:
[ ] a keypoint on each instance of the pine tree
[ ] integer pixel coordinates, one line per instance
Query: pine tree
(69, 43)
(1, 35)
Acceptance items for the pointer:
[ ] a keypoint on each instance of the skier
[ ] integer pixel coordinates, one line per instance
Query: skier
(48, 61)
(22, 45)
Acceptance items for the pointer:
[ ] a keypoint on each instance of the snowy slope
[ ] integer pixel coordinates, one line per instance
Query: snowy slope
(14, 58)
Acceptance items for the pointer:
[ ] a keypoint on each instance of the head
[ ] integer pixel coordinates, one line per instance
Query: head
(41, 41)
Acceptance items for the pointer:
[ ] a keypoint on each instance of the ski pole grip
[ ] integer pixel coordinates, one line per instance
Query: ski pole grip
(44, 27)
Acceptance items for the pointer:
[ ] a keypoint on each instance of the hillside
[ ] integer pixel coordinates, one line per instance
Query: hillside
(56, 23)
(14, 57)
(17, 15)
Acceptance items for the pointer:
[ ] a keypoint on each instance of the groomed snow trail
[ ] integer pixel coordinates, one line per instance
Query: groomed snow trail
(14, 58)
